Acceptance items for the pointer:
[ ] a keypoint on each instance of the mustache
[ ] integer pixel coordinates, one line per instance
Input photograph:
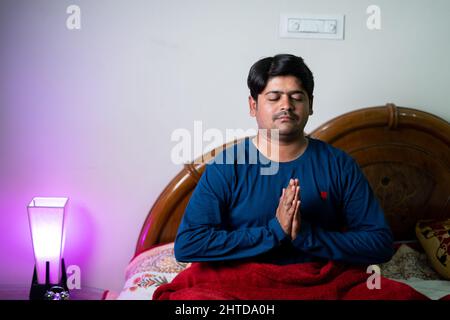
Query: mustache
(284, 114)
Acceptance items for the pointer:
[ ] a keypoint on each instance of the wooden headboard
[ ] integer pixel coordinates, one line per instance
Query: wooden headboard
(404, 153)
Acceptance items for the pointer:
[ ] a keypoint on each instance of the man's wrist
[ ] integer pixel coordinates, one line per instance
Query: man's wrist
(277, 230)
(303, 236)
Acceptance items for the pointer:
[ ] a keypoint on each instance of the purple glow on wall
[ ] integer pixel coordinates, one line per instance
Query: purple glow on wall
(46, 217)
(80, 233)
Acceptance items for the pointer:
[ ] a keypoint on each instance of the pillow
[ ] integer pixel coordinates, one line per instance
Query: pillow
(149, 270)
(408, 263)
(434, 236)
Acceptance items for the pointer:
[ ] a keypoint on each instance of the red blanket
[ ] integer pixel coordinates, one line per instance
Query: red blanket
(259, 281)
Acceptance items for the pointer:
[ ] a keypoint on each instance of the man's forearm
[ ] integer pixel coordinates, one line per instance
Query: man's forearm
(362, 246)
(204, 243)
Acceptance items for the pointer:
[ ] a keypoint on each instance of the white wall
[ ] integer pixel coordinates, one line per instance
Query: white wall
(89, 113)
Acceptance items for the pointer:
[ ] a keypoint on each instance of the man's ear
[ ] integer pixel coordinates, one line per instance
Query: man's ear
(311, 106)
(253, 105)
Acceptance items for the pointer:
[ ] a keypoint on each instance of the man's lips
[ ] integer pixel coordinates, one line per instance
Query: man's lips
(285, 118)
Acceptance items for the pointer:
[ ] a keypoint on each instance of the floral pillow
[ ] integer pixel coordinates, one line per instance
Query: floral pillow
(408, 263)
(434, 236)
(149, 270)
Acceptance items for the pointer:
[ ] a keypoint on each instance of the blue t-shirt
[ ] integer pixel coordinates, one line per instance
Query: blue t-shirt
(231, 213)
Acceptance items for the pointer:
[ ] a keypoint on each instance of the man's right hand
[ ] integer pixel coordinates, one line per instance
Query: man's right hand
(288, 205)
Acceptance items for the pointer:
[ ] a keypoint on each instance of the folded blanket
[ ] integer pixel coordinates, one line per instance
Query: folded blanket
(261, 281)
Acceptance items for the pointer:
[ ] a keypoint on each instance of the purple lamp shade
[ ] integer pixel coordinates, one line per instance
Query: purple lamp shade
(46, 217)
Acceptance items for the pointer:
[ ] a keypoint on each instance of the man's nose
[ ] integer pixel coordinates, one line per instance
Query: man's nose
(286, 103)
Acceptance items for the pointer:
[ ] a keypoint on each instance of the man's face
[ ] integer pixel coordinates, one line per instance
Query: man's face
(283, 105)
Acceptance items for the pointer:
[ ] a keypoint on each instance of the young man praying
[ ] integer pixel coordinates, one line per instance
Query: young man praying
(318, 205)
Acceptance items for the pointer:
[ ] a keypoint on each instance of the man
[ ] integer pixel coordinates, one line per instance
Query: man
(317, 206)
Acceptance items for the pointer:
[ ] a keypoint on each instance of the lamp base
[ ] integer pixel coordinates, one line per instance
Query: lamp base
(49, 291)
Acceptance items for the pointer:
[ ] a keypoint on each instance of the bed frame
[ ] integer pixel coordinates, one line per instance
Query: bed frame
(404, 153)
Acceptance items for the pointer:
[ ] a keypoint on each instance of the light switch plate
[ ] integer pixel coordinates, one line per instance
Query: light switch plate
(312, 26)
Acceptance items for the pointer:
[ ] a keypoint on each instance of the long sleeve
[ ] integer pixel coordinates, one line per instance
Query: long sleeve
(367, 240)
(203, 234)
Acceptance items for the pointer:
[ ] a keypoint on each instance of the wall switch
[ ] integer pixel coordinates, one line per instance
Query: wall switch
(312, 26)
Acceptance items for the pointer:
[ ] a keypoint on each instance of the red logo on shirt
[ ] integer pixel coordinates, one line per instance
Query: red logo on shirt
(324, 195)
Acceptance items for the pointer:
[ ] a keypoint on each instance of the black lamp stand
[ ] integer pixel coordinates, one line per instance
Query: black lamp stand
(50, 291)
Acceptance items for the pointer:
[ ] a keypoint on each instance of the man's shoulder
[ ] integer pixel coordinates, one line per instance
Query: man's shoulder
(332, 153)
(236, 153)
(322, 146)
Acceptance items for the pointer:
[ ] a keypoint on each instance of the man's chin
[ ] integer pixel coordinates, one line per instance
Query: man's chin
(289, 135)
(288, 129)
(286, 132)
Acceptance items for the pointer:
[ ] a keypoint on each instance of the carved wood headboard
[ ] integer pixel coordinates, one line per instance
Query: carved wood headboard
(404, 153)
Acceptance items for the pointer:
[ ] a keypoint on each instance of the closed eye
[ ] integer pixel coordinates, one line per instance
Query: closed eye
(297, 97)
(273, 96)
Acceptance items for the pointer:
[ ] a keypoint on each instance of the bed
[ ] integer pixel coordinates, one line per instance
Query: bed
(404, 153)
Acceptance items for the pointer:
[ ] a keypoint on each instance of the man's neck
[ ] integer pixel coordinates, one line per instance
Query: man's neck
(280, 150)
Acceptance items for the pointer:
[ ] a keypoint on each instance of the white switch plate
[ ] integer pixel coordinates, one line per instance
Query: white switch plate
(312, 26)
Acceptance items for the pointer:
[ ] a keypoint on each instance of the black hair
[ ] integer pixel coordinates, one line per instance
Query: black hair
(280, 65)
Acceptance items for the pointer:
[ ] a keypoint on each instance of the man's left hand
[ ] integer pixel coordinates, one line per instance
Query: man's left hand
(296, 221)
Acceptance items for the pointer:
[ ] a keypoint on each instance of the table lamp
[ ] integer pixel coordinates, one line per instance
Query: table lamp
(46, 218)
